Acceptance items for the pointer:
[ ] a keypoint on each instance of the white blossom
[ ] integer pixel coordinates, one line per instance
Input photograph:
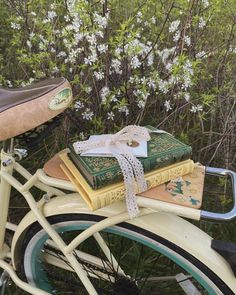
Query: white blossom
(202, 23)
(135, 62)
(205, 3)
(141, 94)
(87, 114)
(46, 21)
(67, 18)
(76, 23)
(42, 46)
(187, 96)
(174, 26)
(102, 48)
(33, 13)
(92, 39)
(116, 66)
(91, 58)
(165, 53)
(167, 105)
(104, 92)
(187, 40)
(53, 6)
(163, 86)
(173, 79)
(197, 108)
(61, 54)
(55, 70)
(152, 84)
(201, 54)
(232, 49)
(118, 51)
(99, 34)
(141, 104)
(131, 79)
(113, 98)
(78, 105)
(150, 59)
(78, 37)
(169, 66)
(176, 36)
(187, 82)
(187, 67)
(51, 14)
(73, 55)
(139, 17)
(100, 20)
(29, 44)
(15, 26)
(124, 109)
(110, 116)
(88, 89)
(153, 20)
(53, 50)
(9, 84)
(98, 75)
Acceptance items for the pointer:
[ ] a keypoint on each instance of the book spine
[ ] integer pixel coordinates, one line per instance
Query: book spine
(153, 179)
(101, 179)
(89, 177)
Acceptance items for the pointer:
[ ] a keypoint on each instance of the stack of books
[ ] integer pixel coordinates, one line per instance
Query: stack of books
(99, 179)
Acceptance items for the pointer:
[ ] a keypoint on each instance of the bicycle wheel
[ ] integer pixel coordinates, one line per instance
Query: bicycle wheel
(135, 261)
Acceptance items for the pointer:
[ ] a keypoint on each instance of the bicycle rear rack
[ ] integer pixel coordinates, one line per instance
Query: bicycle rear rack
(221, 216)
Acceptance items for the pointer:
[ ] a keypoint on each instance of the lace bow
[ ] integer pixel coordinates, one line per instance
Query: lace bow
(131, 167)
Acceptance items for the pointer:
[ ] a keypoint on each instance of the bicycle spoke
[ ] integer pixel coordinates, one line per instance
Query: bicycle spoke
(114, 263)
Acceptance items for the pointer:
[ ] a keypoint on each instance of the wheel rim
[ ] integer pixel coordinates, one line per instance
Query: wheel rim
(42, 281)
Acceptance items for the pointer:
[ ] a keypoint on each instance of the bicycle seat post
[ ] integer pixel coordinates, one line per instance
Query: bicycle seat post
(5, 187)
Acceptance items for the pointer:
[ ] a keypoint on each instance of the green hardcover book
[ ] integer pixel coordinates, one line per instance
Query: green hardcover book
(163, 150)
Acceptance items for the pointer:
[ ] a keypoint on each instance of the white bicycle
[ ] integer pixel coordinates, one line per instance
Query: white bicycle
(61, 247)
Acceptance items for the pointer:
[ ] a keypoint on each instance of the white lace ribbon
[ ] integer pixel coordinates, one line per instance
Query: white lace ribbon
(131, 167)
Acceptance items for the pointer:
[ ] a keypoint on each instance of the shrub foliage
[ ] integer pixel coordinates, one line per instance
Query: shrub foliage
(167, 63)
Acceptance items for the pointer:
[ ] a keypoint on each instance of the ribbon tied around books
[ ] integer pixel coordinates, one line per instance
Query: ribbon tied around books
(131, 167)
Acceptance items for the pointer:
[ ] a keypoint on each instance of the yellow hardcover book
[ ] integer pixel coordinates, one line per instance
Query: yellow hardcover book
(105, 196)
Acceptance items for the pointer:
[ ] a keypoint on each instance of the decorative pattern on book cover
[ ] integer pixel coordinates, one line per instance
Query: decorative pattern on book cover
(185, 190)
(163, 150)
(105, 196)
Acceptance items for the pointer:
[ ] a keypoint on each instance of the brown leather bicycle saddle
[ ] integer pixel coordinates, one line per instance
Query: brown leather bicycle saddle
(25, 108)
(12, 97)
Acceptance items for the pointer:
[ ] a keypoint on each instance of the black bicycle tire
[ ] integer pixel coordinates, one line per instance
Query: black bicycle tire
(35, 227)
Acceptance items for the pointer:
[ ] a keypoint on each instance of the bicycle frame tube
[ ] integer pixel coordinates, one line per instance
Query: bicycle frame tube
(7, 180)
(5, 188)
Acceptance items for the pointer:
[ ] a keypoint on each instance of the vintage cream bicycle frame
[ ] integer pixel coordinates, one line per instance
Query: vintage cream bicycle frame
(55, 202)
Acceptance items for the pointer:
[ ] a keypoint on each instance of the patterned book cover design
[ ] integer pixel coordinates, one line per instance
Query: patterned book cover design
(116, 192)
(163, 150)
(184, 190)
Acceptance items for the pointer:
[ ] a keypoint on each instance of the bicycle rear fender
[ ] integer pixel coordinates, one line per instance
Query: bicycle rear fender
(169, 226)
